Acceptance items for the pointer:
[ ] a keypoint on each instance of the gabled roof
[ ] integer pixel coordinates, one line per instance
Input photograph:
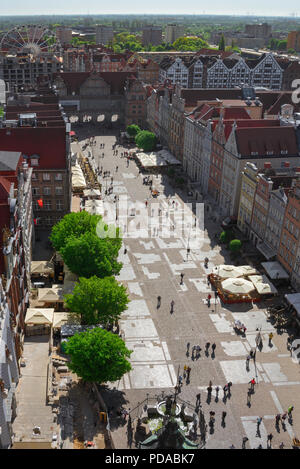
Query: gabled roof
(74, 80)
(9, 160)
(266, 139)
(4, 188)
(235, 113)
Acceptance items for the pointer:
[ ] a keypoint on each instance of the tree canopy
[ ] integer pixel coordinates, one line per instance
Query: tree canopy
(98, 356)
(133, 130)
(235, 245)
(89, 255)
(146, 140)
(222, 43)
(73, 225)
(189, 43)
(98, 300)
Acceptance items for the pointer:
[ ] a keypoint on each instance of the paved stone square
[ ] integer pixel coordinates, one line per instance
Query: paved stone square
(156, 256)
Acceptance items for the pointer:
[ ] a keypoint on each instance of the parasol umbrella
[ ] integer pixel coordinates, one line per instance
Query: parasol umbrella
(237, 286)
(227, 271)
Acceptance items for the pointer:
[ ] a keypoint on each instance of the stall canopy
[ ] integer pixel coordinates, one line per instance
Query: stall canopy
(50, 295)
(237, 286)
(157, 159)
(294, 300)
(263, 284)
(78, 180)
(91, 193)
(60, 319)
(275, 270)
(94, 207)
(39, 316)
(56, 293)
(42, 268)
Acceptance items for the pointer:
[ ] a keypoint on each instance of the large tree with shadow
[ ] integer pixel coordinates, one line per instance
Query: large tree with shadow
(98, 356)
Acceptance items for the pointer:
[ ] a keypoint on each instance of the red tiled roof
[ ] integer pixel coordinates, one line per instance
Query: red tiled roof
(266, 139)
(235, 113)
(4, 189)
(74, 80)
(249, 123)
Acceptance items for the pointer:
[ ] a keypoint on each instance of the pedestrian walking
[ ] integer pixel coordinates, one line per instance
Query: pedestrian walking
(217, 392)
(172, 306)
(249, 398)
(269, 439)
(180, 380)
(117, 167)
(225, 389)
(229, 387)
(208, 300)
(198, 350)
(188, 373)
(277, 420)
(245, 439)
(247, 362)
(198, 399)
(270, 339)
(213, 347)
(281, 446)
(181, 278)
(158, 302)
(223, 417)
(252, 384)
(258, 423)
(125, 251)
(187, 349)
(290, 410)
(207, 345)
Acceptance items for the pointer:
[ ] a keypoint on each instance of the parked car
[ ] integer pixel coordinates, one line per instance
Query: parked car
(228, 223)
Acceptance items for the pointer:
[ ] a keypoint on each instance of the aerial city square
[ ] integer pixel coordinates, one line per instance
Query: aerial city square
(150, 229)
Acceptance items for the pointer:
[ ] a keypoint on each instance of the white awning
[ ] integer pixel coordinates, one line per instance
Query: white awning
(294, 300)
(262, 284)
(37, 316)
(275, 270)
(266, 251)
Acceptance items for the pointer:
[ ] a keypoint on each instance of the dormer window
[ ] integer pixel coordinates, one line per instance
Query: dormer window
(270, 152)
(284, 152)
(253, 153)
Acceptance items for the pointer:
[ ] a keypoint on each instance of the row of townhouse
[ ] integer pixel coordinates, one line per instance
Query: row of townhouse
(16, 226)
(214, 72)
(269, 214)
(213, 132)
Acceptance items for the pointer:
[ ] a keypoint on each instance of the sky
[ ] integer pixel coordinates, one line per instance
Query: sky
(230, 7)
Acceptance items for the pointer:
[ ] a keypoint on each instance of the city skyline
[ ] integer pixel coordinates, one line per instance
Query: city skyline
(234, 8)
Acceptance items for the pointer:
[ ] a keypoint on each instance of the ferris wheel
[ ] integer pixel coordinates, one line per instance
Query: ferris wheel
(31, 39)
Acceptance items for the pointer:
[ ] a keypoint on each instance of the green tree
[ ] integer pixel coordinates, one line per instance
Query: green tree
(90, 255)
(235, 245)
(73, 225)
(222, 43)
(146, 140)
(133, 130)
(98, 356)
(98, 300)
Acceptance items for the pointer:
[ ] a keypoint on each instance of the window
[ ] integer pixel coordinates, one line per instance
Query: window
(47, 190)
(35, 191)
(58, 177)
(46, 177)
(59, 205)
(47, 204)
(58, 190)
(34, 162)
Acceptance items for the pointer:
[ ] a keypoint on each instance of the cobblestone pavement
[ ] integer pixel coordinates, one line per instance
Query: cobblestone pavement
(151, 268)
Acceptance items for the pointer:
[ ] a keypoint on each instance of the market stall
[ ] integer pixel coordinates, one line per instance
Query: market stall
(41, 269)
(263, 285)
(38, 321)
